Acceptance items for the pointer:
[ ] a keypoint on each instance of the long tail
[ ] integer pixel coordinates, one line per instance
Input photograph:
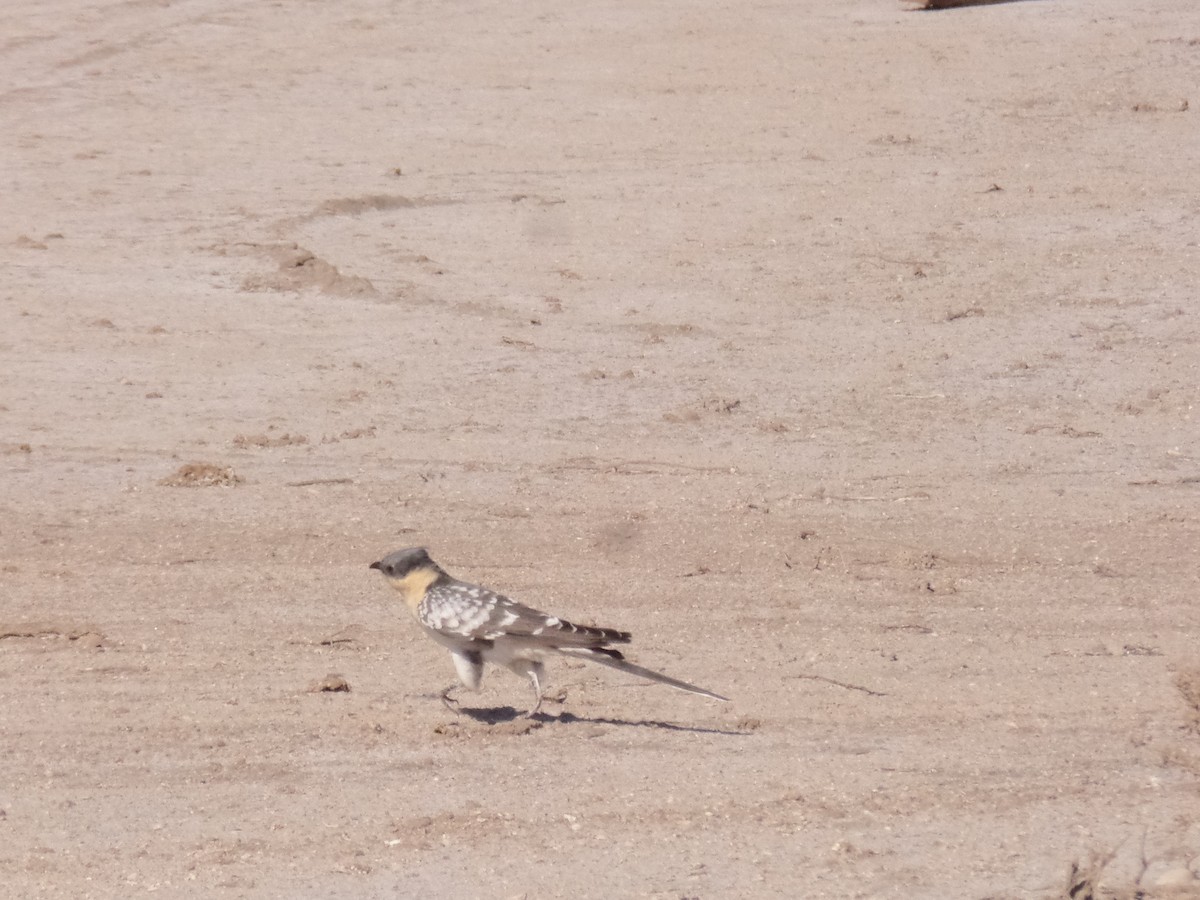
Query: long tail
(614, 660)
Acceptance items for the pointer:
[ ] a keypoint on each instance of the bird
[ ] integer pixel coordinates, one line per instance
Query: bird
(479, 625)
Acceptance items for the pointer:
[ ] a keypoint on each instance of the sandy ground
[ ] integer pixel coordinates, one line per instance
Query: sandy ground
(846, 355)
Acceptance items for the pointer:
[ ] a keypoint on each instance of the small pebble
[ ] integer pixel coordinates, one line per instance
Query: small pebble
(1177, 876)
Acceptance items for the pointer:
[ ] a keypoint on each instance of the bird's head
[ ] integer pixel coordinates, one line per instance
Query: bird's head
(397, 566)
(411, 573)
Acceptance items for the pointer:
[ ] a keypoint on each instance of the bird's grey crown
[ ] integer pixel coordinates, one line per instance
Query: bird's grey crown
(401, 562)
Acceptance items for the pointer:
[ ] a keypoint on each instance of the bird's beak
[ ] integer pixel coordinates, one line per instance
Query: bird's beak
(375, 565)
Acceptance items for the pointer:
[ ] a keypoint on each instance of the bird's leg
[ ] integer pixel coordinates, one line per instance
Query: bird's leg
(535, 671)
(469, 666)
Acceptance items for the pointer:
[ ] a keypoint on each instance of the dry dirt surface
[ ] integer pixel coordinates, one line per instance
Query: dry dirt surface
(845, 354)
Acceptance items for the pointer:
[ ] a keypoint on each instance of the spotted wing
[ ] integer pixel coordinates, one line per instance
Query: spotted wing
(476, 613)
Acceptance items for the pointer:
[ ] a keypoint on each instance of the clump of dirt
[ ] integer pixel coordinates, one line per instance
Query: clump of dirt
(202, 475)
(1188, 684)
(332, 683)
(299, 270)
(719, 406)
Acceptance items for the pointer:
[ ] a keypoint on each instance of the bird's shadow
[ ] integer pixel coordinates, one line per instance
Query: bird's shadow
(499, 715)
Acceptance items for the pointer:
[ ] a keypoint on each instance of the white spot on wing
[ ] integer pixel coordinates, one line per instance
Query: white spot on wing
(476, 618)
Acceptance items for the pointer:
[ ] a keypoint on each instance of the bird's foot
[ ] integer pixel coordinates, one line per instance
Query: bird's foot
(450, 703)
(559, 697)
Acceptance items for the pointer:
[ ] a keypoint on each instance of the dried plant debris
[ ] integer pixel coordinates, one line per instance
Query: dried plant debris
(201, 475)
(1083, 881)
(82, 635)
(246, 441)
